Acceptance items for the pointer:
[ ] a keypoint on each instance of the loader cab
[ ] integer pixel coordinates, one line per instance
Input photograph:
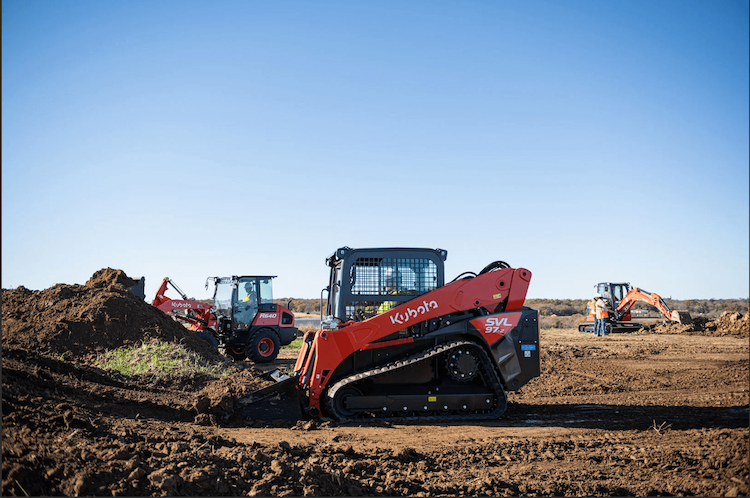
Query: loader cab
(240, 298)
(366, 282)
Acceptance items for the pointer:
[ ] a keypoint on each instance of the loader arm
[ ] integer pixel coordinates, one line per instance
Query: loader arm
(323, 351)
(195, 313)
(160, 297)
(652, 298)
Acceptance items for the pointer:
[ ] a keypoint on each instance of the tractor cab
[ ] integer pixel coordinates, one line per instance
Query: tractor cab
(248, 322)
(366, 282)
(239, 299)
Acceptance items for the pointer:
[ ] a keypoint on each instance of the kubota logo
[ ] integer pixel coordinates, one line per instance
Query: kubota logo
(181, 305)
(410, 313)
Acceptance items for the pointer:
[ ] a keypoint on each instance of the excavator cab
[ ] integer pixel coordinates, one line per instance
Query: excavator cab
(238, 299)
(614, 293)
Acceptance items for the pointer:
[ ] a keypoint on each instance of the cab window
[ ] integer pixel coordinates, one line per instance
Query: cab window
(266, 290)
(247, 291)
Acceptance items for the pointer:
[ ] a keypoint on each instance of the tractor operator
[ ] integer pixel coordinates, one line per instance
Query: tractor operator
(248, 306)
(390, 288)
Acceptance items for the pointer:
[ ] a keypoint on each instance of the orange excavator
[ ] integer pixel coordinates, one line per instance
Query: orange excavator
(620, 299)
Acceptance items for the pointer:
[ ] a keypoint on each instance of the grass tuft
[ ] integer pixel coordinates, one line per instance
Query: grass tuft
(159, 359)
(295, 344)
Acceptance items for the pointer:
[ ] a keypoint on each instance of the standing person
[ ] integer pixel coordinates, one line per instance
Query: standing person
(602, 313)
(596, 308)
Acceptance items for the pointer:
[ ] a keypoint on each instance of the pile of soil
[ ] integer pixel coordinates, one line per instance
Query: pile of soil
(728, 324)
(217, 402)
(81, 321)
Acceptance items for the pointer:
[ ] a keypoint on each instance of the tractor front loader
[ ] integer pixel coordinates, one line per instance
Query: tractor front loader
(399, 343)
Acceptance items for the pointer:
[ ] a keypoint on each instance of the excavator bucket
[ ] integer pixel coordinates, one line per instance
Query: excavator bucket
(682, 317)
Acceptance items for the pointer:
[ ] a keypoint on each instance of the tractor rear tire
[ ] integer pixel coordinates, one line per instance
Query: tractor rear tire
(264, 346)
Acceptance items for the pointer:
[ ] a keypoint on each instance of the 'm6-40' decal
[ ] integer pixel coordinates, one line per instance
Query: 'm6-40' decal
(494, 327)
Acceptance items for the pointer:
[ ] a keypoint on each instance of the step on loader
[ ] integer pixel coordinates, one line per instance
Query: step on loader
(397, 342)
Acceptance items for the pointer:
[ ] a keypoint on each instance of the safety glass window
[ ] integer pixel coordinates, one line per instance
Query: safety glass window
(266, 290)
(247, 291)
(387, 276)
(223, 295)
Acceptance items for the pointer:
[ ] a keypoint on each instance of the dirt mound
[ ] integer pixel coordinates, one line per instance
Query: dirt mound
(80, 321)
(219, 398)
(728, 324)
(110, 279)
(732, 324)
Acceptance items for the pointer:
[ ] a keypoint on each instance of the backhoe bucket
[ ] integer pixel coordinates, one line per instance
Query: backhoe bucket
(681, 317)
(279, 402)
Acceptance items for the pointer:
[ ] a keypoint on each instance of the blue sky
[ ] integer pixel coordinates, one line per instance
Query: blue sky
(586, 141)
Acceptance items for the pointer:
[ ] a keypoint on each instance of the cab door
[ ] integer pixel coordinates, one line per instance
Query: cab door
(245, 304)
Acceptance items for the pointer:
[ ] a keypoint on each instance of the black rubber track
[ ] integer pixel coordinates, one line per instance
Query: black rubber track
(487, 366)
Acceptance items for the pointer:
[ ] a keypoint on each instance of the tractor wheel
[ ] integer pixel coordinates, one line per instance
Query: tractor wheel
(209, 338)
(264, 346)
(237, 354)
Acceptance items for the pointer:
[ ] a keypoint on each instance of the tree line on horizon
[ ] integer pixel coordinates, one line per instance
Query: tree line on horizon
(711, 308)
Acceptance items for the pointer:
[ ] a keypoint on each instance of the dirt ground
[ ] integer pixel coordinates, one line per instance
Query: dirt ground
(660, 412)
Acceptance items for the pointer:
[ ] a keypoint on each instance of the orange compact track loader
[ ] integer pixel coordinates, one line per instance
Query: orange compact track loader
(399, 343)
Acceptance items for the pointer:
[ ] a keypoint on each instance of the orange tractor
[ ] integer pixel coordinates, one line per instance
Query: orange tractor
(620, 299)
(242, 318)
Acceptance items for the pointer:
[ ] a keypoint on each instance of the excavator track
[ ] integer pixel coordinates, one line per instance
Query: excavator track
(485, 402)
(616, 327)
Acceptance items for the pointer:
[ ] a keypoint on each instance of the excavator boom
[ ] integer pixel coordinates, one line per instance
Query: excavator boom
(652, 298)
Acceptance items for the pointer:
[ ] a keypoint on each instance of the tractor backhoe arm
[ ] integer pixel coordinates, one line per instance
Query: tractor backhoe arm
(652, 298)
